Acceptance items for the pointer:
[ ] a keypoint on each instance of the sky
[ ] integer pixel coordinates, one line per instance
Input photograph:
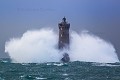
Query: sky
(99, 17)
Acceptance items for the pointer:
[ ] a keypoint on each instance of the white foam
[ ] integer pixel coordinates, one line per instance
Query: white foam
(104, 64)
(58, 64)
(38, 78)
(65, 74)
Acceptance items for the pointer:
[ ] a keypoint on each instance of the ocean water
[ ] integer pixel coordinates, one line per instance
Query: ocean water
(59, 71)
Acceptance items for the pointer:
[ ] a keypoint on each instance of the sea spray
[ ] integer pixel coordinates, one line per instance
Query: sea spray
(90, 48)
(40, 46)
(34, 47)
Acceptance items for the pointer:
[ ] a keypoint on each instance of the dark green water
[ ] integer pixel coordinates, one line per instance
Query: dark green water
(59, 71)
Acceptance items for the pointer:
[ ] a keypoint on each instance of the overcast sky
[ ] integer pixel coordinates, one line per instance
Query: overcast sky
(100, 17)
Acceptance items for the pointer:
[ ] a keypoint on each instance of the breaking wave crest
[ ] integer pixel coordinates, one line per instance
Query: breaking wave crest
(40, 46)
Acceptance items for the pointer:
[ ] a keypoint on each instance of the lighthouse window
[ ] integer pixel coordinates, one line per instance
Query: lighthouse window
(61, 35)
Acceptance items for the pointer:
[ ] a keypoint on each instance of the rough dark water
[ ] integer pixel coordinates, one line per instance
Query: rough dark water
(59, 71)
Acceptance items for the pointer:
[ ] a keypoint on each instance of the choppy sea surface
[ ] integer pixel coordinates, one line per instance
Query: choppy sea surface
(59, 71)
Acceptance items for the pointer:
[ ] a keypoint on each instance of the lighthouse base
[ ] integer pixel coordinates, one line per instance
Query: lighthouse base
(65, 58)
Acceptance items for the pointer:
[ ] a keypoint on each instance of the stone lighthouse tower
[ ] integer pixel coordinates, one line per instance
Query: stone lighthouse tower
(64, 34)
(64, 38)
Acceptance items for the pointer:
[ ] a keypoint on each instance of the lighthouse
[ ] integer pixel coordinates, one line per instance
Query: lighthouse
(64, 39)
